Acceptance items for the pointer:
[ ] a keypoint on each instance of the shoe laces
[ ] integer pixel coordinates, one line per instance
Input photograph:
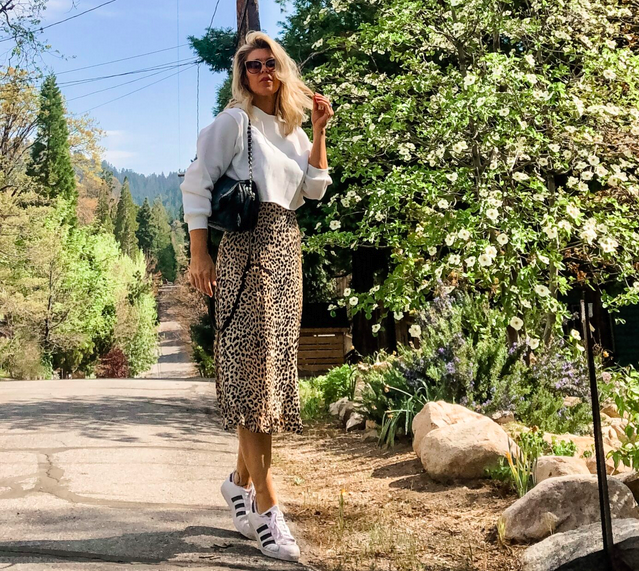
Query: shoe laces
(279, 528)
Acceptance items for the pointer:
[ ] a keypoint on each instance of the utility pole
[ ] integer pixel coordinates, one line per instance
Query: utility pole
(248, 18)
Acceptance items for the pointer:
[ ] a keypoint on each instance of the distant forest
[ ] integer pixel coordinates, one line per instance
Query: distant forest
(166, 187)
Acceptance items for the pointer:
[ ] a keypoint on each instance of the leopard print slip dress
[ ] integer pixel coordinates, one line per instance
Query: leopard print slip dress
(256, 377)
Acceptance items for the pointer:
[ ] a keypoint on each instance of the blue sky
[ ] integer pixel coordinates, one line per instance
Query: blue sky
(142, 129)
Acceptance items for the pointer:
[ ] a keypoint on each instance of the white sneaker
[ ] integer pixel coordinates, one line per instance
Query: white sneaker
(273, 534)
(239, 500)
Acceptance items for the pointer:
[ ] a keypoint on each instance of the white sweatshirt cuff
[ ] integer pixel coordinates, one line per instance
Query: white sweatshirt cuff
(197, 221)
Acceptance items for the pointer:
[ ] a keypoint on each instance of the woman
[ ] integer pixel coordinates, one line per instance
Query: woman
(256, 355)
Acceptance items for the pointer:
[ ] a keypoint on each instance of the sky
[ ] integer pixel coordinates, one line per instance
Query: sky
(146, 131)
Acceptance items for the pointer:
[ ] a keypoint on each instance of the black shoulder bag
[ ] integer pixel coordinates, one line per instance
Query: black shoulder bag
(234, 208)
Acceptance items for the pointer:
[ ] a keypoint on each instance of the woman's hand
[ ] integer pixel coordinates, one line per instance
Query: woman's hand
(322, 111)
(202, 274)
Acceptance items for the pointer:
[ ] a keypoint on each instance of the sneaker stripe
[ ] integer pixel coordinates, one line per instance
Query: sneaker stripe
(268, 542)
(235, 498)
(242, 512)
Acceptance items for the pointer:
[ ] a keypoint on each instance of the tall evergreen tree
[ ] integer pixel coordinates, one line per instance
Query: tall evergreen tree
(146, 232)
(126, 221)
(163, 249)
(50, 156)
(103, 216)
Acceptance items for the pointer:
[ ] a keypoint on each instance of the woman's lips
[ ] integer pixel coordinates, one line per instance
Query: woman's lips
(267, 79)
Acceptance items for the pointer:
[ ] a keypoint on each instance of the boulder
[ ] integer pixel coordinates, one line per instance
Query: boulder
(437, 414)
(371, 435)
(631, 479)
(503, 417)
(584, 546)
(561, 504)
(554, 466)
(356, 421)
(611, 410)
(347, 409)
(464, 449)
(336, 407)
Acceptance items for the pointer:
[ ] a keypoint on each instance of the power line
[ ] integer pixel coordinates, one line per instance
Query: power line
(135, 91)
(126, 82)
(34, 30)
(119, 60)
(214, 12)
(170, 65)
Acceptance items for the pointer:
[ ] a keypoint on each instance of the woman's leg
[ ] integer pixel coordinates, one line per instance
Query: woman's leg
(256, 452)
(241, 476)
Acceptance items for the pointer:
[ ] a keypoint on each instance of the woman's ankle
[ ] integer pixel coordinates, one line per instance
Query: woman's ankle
(238, 481)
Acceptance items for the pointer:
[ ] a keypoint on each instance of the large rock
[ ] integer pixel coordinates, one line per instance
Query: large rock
(555, 466)
(584, 544)
(356, 421)
(437, 414)
(631, 479)
(464, 449)
(561, 504)
(335, 408)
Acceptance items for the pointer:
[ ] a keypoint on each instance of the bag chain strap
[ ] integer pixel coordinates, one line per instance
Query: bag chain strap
(248, 261)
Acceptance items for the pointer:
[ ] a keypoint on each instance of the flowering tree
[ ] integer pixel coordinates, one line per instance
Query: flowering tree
(492, 145)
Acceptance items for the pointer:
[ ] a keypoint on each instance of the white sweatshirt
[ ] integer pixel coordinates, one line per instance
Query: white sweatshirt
(281, 169)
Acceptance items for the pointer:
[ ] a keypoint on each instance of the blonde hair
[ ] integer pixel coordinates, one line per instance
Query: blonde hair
(293, 96)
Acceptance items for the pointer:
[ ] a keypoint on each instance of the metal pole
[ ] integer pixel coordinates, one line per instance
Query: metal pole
(612, 557)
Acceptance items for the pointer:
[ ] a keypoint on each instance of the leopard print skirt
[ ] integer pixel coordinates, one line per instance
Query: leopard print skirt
(256, 377)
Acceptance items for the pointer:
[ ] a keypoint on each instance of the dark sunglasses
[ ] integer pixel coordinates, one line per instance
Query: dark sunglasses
(255, 65)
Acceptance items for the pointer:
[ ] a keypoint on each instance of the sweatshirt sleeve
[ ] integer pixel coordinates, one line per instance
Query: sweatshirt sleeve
(316, 181)
(217, 144)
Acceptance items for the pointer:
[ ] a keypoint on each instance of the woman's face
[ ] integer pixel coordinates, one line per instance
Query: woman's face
(263, 83)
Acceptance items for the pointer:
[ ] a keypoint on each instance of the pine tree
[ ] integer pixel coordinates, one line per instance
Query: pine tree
(103, 216)
(125, 221)
(50, 156)
(162, 247)
(146, 232)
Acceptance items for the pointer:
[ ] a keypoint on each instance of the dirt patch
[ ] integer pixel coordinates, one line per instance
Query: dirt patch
(392, 516)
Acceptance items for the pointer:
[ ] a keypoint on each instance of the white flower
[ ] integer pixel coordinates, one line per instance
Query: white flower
(415, 330)
(542, 290)
(335, 224)
(543, 259)
(635, 286)
(375, 328)
(374, 289)
(504, 111)
(554, 147)
(539, 197)
(464, 234)
(490, 251)
(608, 244)
(502, 239)
(432, 250)
(442, 203)
(520, 176)
(398, 315)
(575, 334)
(485, 260)
(573, 211)
(452, 176)
(531, 78)
(347, 292)
(550, 231)
(492, 213)
(609, 74)
(588, 234)
(450, 239)
(533, 342)
(564, 225)
(454, 259)
(459, 147)
(516, 323)
(469, 80)
(526, 303)
(353, 300)
(331, 306)
(470, 261)
(530, 60)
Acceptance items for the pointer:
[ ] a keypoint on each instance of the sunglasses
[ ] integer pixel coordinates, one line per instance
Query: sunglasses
(255, 65)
